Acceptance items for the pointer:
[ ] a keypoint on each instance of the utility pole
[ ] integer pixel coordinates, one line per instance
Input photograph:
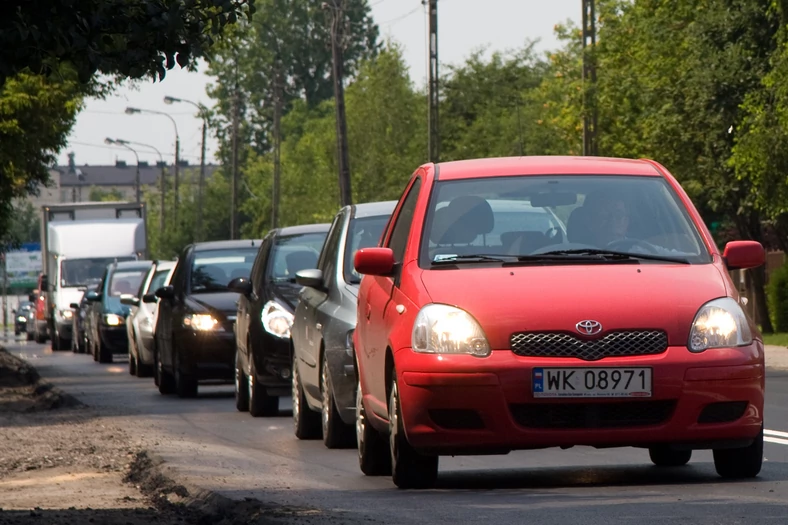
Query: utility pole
(163, 191)
(337, 45)
(201, 184)
(175, 182)
(434, 129)
(589, 79)
(5, 294)
(234, 181)
(277, 143)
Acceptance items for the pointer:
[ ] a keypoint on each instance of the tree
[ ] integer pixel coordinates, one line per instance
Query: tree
(36, 115)
(99, 195)
(132, 38)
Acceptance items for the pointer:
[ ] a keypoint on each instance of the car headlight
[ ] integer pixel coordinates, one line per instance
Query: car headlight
(113, 320)
(202, 323)
(67, 314)
(719, 323)
(276, 320)
(444, 329)
(21, 318)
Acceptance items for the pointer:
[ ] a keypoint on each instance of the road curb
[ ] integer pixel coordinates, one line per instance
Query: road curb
(46, 396)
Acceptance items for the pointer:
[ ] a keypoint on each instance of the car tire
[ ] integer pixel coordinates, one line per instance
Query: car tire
(185, 384)
(374, 457)
(665, 457)
(409, 469)
(738, 463)
(132, 363)
(336, 433)
(241, 385)
(260, 403)
(166, 381)
(306, 422)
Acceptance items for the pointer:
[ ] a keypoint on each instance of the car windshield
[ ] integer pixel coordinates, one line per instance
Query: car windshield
(84, 272)
(293, 253)
(126, 281)
(529, 216)
(363, 233)
(159, 280)
(212, 270)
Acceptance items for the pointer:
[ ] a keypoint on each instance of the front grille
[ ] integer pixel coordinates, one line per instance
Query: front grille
(457, 419)
(723, 412)
(564, 344)
(592, 415)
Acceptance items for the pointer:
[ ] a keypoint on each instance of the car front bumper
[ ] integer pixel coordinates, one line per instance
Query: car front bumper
(458, 404)
(115, 338)
(207, 355)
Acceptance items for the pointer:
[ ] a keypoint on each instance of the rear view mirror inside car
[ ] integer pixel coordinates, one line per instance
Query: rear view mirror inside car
(553, 199)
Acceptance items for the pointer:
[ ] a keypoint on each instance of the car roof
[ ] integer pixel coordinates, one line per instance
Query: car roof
(373, 209)
(225, 245)
(304, 228)
(132, 265)
(544, 165)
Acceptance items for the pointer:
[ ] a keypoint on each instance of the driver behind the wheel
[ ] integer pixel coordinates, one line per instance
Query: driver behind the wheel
(608, 220)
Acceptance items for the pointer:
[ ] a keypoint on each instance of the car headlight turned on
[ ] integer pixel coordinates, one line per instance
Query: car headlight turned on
(67, 314)
(202, 323)
(276, 320)
(718, 324)
(20, 318)
(113, 320)
(444, 329)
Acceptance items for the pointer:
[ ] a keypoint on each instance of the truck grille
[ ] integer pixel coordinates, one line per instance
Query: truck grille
(564, 344)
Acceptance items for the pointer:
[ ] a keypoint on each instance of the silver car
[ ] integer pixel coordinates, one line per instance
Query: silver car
(324, 377)
(141, 321)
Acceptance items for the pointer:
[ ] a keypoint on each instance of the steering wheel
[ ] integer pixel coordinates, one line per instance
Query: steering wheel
(552, 233)
(624, 244)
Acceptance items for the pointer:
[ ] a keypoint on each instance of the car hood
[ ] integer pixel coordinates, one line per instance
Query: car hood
(66, 296)
(556, 298)
(287, 293)
(223, 302)
(112, 305)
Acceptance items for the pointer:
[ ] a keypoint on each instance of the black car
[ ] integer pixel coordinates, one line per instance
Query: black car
(79, 338)
(106, 315)
(20, 317)
(265, 314)
(194, 335)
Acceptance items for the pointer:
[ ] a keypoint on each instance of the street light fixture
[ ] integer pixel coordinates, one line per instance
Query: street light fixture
(124, 144)
(133, 111)
(202, 114)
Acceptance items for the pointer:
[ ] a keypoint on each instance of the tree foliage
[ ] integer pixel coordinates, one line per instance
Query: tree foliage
(132, 38)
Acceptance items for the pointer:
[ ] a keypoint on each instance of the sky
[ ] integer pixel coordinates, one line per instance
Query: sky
(463, 27)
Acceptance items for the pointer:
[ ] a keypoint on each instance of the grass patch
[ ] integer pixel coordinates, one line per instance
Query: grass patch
(776, 339)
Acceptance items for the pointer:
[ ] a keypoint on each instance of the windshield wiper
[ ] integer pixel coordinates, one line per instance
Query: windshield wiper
(474, 258)
(613, 255)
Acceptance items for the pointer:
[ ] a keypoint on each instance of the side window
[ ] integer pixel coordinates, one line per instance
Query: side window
(328, 255)
(141, 290)
(398, 240)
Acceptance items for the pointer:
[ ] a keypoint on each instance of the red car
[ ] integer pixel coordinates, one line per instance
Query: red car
(524, 303)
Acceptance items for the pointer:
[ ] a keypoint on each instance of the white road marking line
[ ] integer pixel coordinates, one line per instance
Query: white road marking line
(776, 440)
(776, 433)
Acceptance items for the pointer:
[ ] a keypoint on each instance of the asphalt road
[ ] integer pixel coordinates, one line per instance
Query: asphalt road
(220, 449)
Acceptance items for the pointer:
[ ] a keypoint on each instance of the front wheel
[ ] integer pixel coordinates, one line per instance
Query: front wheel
(409, 469)
(737, 463)
(241, 385)
(374, 458)
(336, 433)
(260, 403)
(306, 422)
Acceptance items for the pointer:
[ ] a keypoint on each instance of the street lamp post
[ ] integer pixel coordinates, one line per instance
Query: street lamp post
(132, 111)
(137, 181)
(161, 178)
(203, 115)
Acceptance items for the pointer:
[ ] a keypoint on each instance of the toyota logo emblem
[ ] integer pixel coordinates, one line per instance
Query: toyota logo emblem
(589, 327)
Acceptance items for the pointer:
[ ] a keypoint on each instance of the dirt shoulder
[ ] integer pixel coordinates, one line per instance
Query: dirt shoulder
(62, 463)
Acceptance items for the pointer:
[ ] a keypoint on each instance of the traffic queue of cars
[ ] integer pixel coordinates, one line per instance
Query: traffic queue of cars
(498, 305)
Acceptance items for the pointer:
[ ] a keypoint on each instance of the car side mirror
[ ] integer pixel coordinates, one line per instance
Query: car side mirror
(129, 300)
(165, 292)
(374, 261)
(312, 277)
(92, 297)
(742, 255)
(74, 306)
(240, 285)
(149, 298)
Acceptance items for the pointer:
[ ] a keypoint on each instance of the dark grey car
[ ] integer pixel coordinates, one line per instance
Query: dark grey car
(324, 377)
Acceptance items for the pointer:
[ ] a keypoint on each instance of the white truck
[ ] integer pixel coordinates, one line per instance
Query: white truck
(78, 241)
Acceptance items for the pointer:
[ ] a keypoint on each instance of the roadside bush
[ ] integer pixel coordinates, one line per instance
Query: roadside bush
(777, 291)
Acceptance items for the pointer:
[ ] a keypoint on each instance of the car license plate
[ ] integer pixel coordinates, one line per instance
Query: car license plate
(591, 382)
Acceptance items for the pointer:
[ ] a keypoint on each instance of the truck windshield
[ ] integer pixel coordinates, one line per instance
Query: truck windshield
(84, 272)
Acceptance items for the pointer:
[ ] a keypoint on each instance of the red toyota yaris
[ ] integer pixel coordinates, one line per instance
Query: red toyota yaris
(523, 303)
